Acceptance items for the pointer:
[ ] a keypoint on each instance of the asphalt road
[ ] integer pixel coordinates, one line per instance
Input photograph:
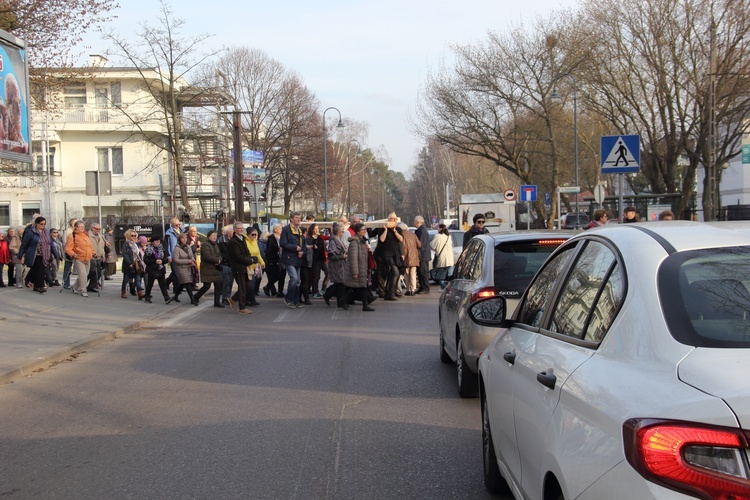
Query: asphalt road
(304, 403)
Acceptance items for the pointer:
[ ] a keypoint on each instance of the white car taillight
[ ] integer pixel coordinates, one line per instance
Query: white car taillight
(697, 459)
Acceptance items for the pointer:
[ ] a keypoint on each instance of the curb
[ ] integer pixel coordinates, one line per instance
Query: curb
(66, 352)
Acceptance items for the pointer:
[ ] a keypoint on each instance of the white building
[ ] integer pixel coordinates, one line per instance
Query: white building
(104, 119)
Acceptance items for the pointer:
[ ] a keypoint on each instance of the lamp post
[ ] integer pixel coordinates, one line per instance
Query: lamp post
(349, 176)
(556, 96)
(325, 158)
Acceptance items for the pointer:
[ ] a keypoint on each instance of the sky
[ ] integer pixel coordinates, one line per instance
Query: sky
(370, 60)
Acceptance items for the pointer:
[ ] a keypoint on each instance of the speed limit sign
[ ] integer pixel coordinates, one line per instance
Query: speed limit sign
(509, 195)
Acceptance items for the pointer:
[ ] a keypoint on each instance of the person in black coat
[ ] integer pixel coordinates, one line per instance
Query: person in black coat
(477, 228)
(425, 255)
(239, 258)
(274, 270)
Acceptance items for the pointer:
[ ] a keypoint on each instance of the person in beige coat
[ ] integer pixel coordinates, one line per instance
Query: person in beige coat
(184, 264)
(356, 268)
(410, 257)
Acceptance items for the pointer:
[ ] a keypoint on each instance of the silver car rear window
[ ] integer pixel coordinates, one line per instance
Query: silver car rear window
(517, 263)
(710, 306)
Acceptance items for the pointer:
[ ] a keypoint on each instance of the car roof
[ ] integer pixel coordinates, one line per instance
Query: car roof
(678, 236)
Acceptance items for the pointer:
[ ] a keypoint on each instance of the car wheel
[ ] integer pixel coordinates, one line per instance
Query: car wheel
(443, 355)
(467, 380)
(493, 480)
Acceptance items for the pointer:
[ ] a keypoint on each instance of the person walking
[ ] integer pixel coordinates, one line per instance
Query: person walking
(37, 251)
(210, 267)
(54, 266)
(132, 264)
(410, 249)
(183, 261)
(337, 258)
(4, 257)
(477, 228)
(98, 242)
(274, 268)
(155, 259)
(600, 219)
(425, 255)
(68, 267)
(441, 245)
(78, 247)
(240, 259)
(388, 254)
(356, 266)
(255, 270)
(316, 256)
(110, 260)
(14, 244)
(292, 243)
(227, 276)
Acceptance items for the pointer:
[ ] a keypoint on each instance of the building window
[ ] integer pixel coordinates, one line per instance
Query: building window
(4, 213)
(39, 159)
(109, 160)
(75, 94)
(28, 211)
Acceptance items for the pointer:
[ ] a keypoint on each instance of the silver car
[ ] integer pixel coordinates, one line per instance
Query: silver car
(624, 372)
(497, 264)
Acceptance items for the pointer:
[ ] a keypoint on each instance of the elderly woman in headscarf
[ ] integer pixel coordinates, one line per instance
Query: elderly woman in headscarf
(37, 251)
(337, 254)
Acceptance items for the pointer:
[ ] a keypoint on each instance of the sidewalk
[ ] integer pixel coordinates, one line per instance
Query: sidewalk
(38, 329)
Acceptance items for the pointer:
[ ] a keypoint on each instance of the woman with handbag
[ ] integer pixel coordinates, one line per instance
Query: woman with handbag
(441, 245)
(254, 270)
(132, 264)
(210, 267)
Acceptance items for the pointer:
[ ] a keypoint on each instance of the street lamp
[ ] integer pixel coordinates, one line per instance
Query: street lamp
(556, 97)
(325, 158)
(349, 176)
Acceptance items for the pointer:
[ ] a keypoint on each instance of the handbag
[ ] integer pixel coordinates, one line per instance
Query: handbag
(435, 259)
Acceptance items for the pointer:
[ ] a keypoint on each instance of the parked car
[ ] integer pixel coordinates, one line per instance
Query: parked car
(457, 240)
(497, 264)
(624, 371)
(575, 221)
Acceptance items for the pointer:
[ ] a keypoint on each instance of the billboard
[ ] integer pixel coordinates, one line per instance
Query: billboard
(14, 100)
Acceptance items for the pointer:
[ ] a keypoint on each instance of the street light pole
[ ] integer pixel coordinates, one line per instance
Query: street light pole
(325, 158)
(349, 177)
(555, 95)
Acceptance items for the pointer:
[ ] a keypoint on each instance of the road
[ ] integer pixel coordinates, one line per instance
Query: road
(303, 403)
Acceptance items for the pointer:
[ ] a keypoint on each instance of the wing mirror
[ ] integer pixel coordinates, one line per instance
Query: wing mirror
(488, 312)
(440, 273)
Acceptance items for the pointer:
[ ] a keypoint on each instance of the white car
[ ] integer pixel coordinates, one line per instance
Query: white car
(624, 372)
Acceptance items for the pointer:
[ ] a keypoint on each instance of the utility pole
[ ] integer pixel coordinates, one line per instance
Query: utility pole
(239, 203)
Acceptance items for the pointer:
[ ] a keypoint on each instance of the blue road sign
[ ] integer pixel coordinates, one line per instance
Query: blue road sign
(528, 193)
(745, 153)
(621, 154)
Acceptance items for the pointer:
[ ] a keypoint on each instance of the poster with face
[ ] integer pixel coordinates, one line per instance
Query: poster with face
(14, 105)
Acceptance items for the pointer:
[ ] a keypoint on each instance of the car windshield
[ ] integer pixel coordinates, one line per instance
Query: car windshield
(517, 263)
(711, 306)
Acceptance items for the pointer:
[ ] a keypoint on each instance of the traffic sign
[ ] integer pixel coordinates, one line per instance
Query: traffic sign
(599, 193)
(745, 154)
(620, 154)
(569, 189)
(547, 199)
(528, 192)
(509, 195)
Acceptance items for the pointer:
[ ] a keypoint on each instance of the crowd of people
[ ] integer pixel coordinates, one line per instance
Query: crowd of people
(313, 263)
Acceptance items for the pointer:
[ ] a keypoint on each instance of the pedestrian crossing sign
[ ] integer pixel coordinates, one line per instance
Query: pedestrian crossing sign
(621, 154)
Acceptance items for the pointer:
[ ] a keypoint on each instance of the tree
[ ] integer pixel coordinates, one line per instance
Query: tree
(163, 59)
(650, 73)
(495, 103)
(280, 117)
(52, 28)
